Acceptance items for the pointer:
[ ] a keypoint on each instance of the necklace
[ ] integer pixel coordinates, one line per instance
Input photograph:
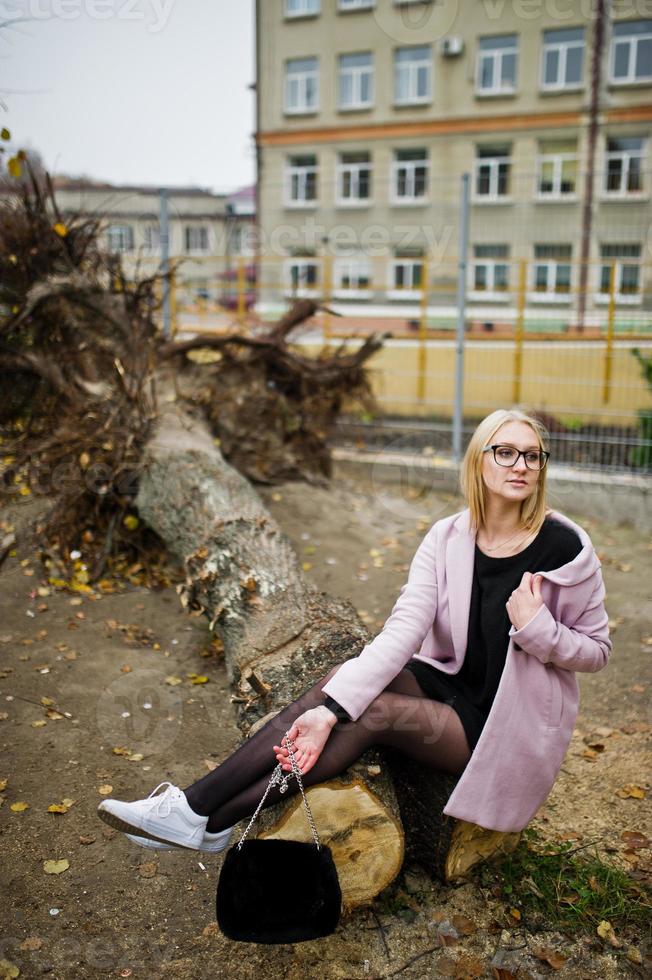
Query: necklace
(503, 543)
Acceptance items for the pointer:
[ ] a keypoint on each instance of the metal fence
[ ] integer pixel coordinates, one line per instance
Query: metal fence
(488, 303)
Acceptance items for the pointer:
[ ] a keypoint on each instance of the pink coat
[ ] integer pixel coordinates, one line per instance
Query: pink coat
(526, 735)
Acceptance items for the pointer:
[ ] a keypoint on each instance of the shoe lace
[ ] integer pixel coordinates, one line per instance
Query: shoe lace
(162, 804)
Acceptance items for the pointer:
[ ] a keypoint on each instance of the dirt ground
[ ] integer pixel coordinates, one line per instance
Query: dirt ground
(105, 661)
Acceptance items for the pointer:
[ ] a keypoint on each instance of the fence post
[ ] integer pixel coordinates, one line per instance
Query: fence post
(242, 287)
(458, 407)
(423, 321)
(609, 349)
(164, 240)
(519, 331)
(326, 292)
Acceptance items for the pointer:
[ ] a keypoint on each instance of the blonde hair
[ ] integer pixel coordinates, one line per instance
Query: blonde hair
(533, 509)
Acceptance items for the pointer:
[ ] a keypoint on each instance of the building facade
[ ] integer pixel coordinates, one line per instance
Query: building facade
(208, 232)
(370, 111)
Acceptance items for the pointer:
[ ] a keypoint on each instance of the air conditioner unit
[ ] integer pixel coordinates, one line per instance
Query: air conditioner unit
(450, 46)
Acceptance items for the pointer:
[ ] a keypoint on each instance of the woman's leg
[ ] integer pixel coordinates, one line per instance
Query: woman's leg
(254, 758)
(401, 717)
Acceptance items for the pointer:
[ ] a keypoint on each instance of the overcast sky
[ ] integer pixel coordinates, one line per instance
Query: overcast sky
(132, 91)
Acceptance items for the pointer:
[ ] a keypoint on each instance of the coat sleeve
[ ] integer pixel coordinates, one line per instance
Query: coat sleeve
(584, 646)
(361, 679)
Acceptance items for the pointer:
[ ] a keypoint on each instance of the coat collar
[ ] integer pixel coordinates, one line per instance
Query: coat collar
(460, 554)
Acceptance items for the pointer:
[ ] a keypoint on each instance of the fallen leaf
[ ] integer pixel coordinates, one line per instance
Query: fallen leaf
(197, 678)
(31, 943)
(57, 808)
(638, 688)
(47, 702)
(40, 723)
(105, 789)
(86, 840)
(606, 931)
(147, 870)
(56, 867)
(623, 566)
(515, 914)
(550, 956)
(8, 970)
(54, 715)
(631, 837)
(19, 806)
(464, 925)
(631, 791)
(173, 680)
(3, 784)
(635, 727)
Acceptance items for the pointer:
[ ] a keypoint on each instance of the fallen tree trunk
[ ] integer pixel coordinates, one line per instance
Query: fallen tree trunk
(280, 635)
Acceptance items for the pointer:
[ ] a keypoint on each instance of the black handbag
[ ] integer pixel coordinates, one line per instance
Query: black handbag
(278, 891)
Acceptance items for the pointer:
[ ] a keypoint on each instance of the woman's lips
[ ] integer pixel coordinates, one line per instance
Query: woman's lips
(518, 483)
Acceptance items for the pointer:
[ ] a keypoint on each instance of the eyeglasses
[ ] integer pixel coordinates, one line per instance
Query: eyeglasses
(535, 459)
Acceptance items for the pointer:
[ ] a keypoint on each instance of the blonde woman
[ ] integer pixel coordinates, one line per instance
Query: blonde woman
(473, 672)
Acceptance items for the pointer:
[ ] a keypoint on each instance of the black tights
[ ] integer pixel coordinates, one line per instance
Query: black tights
(401, 717)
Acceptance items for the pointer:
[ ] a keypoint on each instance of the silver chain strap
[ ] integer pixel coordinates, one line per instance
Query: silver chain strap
(279, 779)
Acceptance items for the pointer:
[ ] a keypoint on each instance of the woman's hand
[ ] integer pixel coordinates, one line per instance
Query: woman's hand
(310, 733)
(525, 601)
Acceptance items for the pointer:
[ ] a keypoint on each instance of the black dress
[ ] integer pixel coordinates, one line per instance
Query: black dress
(471, 691)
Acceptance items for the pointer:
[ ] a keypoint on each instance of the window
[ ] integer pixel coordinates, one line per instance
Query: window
(356, 81)
(496, 66)
(120, 238)
(412, 75)
(301, 181)
(301, 277)
(151, 238)
(552, 270)
(302, 8)
(354, 179)
(627, 259)
(490, 271)
(352, 277)
(196, 238)
(563, 54)
(409, 176)
(631, 51)
(406, 274)
(557, 168)
(301, 85)
(355, 4)
(492, 172)
(624, 165)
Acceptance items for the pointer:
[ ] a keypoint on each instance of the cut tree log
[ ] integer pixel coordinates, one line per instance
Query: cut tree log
(280, 635)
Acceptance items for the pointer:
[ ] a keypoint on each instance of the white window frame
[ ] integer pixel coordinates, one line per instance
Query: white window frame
(632, 41)
(556, 194)
(301, 79)
(560, 85)
(497, 87)
(357, 267)
(346, 5)
(626, 156)
(191, 232)
(494, 164)
(354, 170)
(409, 292)
(151, 239)
(492, 293)
(550, 294)
(306, 8)
(410, 166)
(412, 68)
(302, 263)
(356, 72)
(623, 299)
(301, 172)
(120, 237)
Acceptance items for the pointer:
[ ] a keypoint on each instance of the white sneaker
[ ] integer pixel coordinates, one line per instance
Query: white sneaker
(168, 817)
(211, 842)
